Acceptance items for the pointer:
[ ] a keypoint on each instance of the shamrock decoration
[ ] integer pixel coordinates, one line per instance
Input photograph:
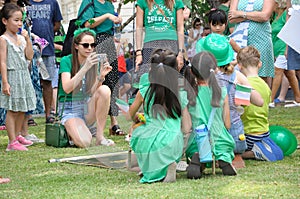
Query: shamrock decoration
(91, 21)
(78, 23)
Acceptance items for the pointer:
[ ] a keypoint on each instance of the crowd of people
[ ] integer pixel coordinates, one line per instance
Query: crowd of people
(212, 98)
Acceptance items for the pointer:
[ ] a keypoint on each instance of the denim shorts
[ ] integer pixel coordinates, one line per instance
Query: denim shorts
(74, 109)
(49, 61)
(251, 139)
(235, 131)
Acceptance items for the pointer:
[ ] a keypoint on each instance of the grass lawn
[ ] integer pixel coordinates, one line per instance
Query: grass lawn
(33, 177)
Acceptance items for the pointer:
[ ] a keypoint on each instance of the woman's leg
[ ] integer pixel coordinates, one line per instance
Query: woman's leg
(276, 82)
(78, 132)
(98, 108)
(284, 88)
(291, 76)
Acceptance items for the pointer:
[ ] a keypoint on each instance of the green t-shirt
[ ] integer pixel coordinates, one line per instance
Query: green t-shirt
(156, 25)
(255, 119)
(97, 10)
(278, 45)
(229, 25)
(66, 66)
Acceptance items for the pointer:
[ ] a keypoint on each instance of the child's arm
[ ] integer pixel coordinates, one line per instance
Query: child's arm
(3, 68)
(186, 122)
(234, 45)
(255, 97)
(226, 113)
(28, 49)
(135, 106)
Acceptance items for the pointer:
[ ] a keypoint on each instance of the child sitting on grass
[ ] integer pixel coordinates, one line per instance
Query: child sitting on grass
(255, 119)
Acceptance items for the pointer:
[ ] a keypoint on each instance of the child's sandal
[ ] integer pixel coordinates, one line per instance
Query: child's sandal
(116, 130)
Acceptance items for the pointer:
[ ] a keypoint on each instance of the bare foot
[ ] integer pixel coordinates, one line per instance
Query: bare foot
(171, 173)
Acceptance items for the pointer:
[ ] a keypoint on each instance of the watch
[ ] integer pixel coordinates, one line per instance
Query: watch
(181, 50)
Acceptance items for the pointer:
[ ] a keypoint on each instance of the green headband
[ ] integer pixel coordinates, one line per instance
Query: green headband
(81, 30)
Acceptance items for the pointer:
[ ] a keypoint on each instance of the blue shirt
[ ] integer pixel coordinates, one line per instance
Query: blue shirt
(43, 15)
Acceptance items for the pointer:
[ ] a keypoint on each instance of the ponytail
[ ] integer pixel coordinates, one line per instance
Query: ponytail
(216, 90)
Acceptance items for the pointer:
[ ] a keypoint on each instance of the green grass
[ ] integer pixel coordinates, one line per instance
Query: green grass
(33, 177)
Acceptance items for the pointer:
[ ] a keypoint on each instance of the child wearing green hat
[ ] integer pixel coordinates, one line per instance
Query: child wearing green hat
(228, 77)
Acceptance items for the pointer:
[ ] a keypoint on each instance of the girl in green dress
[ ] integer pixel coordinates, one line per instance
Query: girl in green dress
(205, 95)
(158, 144)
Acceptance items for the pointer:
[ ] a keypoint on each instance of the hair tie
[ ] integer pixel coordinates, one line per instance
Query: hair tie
(212, 70)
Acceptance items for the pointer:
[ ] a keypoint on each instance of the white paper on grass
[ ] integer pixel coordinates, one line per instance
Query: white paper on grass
(291, 31)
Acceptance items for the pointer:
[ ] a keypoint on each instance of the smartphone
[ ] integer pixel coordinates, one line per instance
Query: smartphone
(102, 58)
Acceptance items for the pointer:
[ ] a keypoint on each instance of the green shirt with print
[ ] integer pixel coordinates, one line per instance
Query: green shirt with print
(98, 9)
(66, 66)
(157, 27)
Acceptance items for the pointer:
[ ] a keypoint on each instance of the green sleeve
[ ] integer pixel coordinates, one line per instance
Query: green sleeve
(88, 14)
(179, 4)
(188, 3)
(142, 4)
(65, 64)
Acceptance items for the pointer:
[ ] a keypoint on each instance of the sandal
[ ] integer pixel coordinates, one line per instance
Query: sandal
(116, 130)
(181, 166)
(107, 142)
(31, 122)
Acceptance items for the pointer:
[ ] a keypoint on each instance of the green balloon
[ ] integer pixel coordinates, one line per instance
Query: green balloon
(284, 138)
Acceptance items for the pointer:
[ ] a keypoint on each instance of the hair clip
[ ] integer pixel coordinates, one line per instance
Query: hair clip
(212, 70)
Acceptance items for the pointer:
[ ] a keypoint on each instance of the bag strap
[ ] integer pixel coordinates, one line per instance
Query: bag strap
(85, 8)
(163, 13)
(211, 117)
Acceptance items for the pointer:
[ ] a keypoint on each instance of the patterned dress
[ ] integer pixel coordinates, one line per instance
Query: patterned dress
(22, 96)
(260, 36)
(157, 143)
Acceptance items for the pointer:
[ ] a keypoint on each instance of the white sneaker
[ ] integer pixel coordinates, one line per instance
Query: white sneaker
(34, 139)
(181, 166)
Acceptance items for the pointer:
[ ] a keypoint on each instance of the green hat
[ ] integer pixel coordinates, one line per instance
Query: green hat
(219, 46)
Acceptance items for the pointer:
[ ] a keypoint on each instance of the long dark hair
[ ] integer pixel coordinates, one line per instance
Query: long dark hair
(163, 89)
(202, 68)
(92, 73)
(6, 12)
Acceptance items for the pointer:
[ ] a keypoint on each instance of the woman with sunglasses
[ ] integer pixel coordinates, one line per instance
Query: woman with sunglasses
(194, 35)
(101, 17)
(81, 93)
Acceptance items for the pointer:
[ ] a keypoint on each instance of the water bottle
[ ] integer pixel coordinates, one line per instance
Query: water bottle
(117, 29)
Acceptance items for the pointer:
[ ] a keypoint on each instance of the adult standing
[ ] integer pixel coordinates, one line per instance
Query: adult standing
(253, 17)
(194, 35)
(101, 18)
(293, 57)
(163, 22)
(46, 17)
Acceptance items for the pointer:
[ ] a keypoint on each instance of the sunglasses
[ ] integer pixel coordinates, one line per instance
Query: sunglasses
(197, 24)
(86, 45)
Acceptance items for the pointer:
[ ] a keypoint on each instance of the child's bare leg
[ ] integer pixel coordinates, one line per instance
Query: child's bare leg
(11, 125)
(19, 122)
(171, 173)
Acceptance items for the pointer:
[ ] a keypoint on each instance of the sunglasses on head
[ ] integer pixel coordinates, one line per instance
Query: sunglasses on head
(86, 45)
